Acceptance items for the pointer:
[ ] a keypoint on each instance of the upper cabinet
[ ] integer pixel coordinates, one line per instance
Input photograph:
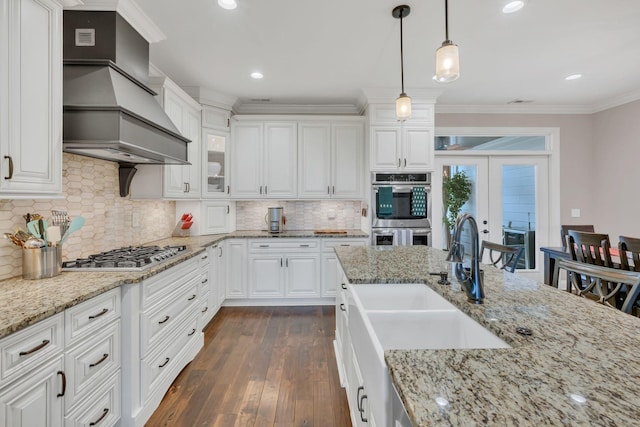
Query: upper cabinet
(330, 160)
(263, 160)
(31, 101)
(406, 146)
(215, 155)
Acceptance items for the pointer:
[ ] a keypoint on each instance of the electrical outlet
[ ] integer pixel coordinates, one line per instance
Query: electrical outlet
(331, 214)
(575, 213)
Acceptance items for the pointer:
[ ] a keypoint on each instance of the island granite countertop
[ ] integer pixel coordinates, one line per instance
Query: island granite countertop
(579, 367)
(25, 302)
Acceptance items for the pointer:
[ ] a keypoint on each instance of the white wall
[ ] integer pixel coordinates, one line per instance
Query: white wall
(616, 198)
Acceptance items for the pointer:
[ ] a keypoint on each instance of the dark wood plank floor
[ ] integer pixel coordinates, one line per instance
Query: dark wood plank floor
(260, 366)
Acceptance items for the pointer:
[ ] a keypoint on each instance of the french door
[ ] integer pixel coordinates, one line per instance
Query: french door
(509, 200)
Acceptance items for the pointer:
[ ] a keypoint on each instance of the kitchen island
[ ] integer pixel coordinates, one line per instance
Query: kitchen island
(577, 368)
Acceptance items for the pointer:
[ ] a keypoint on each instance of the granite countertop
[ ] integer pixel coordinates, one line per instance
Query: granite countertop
(25, 302)
(578, 349)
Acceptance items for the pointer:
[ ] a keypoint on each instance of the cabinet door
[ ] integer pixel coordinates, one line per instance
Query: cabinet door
(31, 101)
(385, 148)
(265, 276)
(246, 164)
(280, 161)
(417, 147)
(346, 160)
(303, 275)
(192, 129)
(330, 275)
(236, 257)
(215, 168)
(222, 269)
(215, 118)
(35, 401)
(214, 280)
(215, 216)
(174, 181)
(314, 157)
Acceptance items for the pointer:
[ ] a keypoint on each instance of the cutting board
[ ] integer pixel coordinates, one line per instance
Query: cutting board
(329, 231)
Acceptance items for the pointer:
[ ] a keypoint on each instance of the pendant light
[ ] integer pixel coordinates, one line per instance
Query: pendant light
(403, 103)
(447, 58)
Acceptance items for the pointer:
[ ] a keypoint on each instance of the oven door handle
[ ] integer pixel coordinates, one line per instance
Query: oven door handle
(402, 188)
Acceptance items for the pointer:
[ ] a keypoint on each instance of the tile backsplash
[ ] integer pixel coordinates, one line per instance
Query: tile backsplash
(301, 215)
(90, 188)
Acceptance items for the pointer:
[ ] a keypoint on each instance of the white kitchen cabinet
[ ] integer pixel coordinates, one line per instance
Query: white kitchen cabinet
(215, 165)
(220, 272)
(302, 275)
(266, 275)
(406, 146)
(31, 101)
(215, 118)
(330, 160)
(263, 160)
(236, 268)
(207, 287)
(401, 148)
(331, 271)
(216, 217)
(37, 400)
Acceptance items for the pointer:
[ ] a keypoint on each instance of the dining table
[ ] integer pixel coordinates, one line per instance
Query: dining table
(553, 253)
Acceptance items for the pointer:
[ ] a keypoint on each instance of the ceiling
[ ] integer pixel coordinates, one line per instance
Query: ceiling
(325, 52)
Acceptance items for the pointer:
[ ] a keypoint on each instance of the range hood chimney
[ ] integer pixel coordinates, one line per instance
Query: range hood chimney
(109, 112)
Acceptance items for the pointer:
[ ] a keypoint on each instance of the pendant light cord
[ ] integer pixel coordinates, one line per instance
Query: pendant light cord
(446, 20)
(401, 53)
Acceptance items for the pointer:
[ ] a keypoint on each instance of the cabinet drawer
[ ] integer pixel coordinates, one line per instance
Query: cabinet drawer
(91, 362)
(282, 245)
(101, 409)
(91, 316)
(31, 347)
(329, 244)
(156, 287)
(154, 367)
(203, 260)
(155, 321)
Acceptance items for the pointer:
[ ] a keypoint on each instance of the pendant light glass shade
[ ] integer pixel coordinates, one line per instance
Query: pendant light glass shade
(447, 62)
(403, 107)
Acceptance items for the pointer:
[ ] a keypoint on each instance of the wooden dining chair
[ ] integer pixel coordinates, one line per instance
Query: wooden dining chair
(590, 248)
(601, 284)
(564, 230)
(629, 248)
(501, 256)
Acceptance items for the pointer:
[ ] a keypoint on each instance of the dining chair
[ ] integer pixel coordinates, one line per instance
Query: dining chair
(629, 248)
(590, 248)
(564, 230)
(601, 284)
(501, 256)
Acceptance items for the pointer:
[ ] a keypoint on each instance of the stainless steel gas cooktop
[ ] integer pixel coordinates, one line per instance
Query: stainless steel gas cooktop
(132, 258)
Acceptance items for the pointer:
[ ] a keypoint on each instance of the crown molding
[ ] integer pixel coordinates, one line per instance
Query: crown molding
(129, 10)
(323, 109)
(210, 97)
(513, 109)
(387, 95)
(617, 101)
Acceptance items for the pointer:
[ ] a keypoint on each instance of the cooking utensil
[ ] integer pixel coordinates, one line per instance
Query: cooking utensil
(13, 239)
(34, 228)
(60, 218)
(33, 243)
(53, 235)
(43, 225)
(75, 225)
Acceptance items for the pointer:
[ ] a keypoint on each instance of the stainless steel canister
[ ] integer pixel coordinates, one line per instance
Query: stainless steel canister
(40, 263)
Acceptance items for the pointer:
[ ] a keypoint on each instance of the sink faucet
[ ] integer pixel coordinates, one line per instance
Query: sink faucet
(472, 281)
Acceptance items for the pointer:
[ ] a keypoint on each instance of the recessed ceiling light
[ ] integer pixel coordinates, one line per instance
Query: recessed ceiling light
(227, 4)
(256, 75)
(513, 6)
(573, 77)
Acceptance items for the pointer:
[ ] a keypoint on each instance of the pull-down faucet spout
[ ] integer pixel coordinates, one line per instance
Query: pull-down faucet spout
(471, 282)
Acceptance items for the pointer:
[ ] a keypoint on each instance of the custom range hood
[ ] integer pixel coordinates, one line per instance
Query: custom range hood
(108, 111)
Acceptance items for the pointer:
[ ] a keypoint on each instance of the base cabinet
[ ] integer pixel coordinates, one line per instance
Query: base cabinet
(236, 268)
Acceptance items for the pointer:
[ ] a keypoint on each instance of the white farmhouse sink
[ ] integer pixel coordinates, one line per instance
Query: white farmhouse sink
(404, 296)
(447, 329)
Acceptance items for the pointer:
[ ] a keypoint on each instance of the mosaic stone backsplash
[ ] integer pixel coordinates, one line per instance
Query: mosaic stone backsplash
(301, 215)
(90, 188)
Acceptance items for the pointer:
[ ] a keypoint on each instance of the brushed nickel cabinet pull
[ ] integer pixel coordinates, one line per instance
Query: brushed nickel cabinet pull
(342, 307)
(204, 281)
(10, 167)
(304, 246)
(64, 383)
(204, 257)
(165, 363)
(265, 189)
(220, 256)
(163, 321)
(405, 162)
(343, 286)
(205, 309)
(334, 189)
(328, 192)
(193, 331)
(192, 297)
(104, 414)
(34, 349)
(102, 313)
(398, 162)
(264, 246)
(104, 357)
(261, 189)
(227, 209)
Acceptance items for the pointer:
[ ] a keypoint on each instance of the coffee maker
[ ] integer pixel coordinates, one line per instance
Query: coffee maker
(275, 220)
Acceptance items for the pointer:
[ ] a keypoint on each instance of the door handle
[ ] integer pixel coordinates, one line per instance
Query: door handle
(398, 162)
(405, 162)
(10, 167)
(64, 384)
(265, 189)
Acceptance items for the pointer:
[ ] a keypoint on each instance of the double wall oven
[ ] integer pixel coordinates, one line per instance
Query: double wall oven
(401, 209)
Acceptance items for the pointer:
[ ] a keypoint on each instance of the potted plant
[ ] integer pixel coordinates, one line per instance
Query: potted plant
(456, 191)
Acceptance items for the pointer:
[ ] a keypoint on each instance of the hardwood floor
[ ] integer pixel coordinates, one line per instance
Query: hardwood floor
(260, 366)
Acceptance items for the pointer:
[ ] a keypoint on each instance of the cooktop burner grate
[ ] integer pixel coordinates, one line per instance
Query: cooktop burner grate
(131, 258)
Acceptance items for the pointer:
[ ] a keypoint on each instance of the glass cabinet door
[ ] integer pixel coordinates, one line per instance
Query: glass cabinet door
(215, 163)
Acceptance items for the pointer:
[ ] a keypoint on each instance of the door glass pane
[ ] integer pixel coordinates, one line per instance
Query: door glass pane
(216, 145)
(452, 196)
(519, 211)
(490, 143)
